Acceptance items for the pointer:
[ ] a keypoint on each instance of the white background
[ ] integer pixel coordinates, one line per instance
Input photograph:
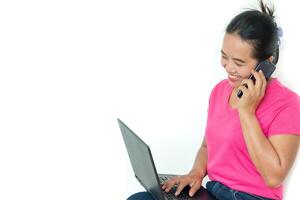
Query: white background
(69, 69)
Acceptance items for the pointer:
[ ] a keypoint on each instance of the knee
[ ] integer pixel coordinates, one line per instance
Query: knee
(141, 196)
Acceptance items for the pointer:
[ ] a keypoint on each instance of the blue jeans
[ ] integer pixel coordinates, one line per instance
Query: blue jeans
(223, 192)
(141, 196)
(218, 190)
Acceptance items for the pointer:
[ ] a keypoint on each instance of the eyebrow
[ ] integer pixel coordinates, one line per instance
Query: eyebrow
(237, 59)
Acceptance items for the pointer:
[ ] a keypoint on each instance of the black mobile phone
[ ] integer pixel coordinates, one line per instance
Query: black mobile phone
(267, 68)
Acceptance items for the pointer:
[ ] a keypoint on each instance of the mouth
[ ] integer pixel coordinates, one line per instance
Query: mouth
(233, 77)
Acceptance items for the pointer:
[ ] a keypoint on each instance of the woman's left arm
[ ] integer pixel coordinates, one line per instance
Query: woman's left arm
(274, 156)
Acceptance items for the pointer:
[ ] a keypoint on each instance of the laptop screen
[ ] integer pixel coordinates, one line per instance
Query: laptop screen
(141, 161)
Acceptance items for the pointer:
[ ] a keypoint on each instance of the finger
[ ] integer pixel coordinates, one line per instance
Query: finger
(170, 183)
(264, 83)
(180, 187)
(243, 89)
(167, 187)
(165, 184)
(192, 183)
(263, 77)
(195, 188)
(259, 77)
(249, 84)
(264, 80)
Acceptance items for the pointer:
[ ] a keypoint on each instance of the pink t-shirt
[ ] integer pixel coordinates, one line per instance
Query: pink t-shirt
(228, 159)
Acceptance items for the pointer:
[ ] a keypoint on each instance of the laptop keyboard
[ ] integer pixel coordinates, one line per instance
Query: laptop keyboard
(171, 194)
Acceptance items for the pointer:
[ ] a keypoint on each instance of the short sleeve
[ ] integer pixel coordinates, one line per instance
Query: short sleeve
(287, 120)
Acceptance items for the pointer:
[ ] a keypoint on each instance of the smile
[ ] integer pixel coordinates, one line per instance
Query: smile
(233, 77)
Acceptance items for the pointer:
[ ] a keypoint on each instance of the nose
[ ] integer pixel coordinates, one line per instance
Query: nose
(229, 66)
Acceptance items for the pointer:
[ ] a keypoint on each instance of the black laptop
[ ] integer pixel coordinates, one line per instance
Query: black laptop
(145, 172)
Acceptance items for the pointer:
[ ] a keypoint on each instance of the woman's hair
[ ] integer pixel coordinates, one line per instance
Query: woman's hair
(259, 29)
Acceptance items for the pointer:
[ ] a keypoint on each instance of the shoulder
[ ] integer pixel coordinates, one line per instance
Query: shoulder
(219, 90)
(220, 86)
(281, 109)
(222, 83)
(277, 92)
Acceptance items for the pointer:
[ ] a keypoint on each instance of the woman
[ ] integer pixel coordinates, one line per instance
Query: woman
(250, 142)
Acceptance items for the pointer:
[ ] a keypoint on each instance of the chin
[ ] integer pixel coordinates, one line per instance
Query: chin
(234, 84)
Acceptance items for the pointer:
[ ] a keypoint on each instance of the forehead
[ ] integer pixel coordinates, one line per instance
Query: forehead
(234, 46)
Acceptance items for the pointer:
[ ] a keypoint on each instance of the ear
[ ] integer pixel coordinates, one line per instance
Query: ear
(271, 58)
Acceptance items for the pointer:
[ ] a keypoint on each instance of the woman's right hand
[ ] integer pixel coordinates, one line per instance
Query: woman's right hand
(193, 179)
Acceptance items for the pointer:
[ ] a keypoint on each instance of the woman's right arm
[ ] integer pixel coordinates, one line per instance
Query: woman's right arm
(200, 163)
(194, 177)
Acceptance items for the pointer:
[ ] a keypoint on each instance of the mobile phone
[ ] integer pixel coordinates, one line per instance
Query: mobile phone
(267, 68)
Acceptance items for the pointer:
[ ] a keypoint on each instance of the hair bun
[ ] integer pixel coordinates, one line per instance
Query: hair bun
(265, 9)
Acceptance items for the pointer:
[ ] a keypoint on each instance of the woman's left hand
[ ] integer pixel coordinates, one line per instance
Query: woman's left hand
(253, 94)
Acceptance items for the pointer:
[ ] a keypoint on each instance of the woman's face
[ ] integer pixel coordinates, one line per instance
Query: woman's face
(237, 59)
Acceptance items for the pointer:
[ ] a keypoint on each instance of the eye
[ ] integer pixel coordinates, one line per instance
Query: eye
(224, 57)
(239, 65)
